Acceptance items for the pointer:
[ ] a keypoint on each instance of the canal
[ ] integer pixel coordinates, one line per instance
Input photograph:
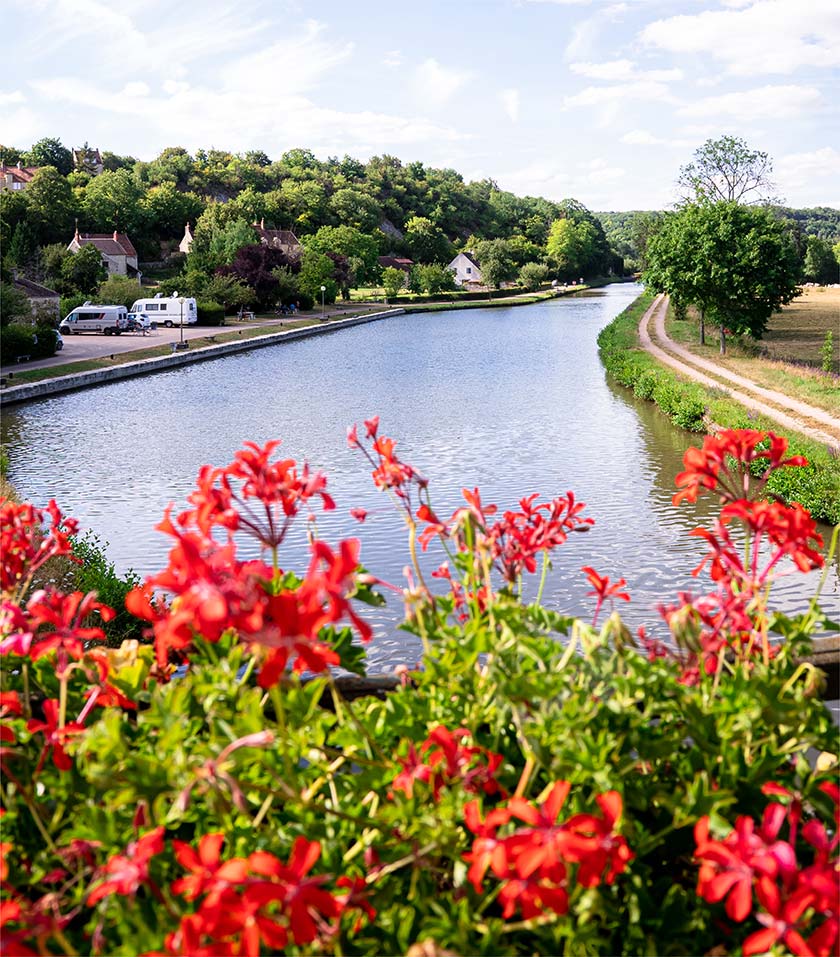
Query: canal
(512, 400)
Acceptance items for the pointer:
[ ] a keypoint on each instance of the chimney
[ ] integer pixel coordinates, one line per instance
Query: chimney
(20, 164)
(262, 224)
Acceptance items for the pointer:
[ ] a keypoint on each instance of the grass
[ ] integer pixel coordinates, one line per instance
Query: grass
(816, 487)
(799, 328)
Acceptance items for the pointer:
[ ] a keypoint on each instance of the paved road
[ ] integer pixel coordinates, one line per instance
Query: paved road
(806, 419)
(94, 346)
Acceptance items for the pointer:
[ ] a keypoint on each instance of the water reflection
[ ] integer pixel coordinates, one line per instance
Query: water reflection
(513, 400)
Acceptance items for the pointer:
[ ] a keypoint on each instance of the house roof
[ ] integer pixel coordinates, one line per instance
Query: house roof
(19, 174)
(397, 262)
(471, 257)
(34, 290)
(112, 244)
(275, 237)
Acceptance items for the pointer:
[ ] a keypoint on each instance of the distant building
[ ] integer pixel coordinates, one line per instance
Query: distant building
(17, 176)
(283, 239)
(88, 160)
(43, 302)
(466, 269)
(396, 262)
(116, 250)
(186, 243)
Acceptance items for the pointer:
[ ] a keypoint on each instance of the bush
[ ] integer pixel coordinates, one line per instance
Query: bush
(645, 384)
(18, 339)
(210, 313)
(539, 786)
(119, 291)
(95, 573)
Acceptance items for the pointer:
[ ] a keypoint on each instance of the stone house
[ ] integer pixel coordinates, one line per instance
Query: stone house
(116, 249)
(17, 176)
(44, 302)
(466, 269)
(283, 239)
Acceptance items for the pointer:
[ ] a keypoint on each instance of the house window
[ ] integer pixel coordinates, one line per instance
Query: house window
(469, 270)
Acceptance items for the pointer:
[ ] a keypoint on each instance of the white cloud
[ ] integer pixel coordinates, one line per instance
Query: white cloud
(809, 175)
(622, 70)
(393, 58)
(641, 138)
(768, 36)
(763, 102)
(14, 97)
(436, 84)
(645, 90)
(510, 103)
(136, 88)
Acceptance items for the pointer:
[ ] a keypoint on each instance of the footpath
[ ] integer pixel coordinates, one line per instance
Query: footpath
(793, 414)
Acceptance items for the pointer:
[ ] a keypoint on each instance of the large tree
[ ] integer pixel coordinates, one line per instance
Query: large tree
(349, 242)
(111, 201)
(52, 205)
(427, 242)
(735, 262)
(820, 265)
(50, 152)
(727, 170)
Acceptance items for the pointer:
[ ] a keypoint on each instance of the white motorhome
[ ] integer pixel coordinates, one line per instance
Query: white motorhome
(110, 320)
(171, 311)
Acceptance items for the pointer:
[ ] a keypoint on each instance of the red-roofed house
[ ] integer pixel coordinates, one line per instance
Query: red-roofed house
(116, 250)
(396, 262)
(16, 177)
(283, 239)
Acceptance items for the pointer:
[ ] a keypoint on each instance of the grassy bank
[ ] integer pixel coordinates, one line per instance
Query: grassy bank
(696, 408)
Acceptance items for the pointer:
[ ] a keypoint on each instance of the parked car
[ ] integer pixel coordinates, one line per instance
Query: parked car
(139, 322)
(59, 341)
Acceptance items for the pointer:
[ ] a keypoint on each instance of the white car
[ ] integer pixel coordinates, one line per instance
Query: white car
(139, 321)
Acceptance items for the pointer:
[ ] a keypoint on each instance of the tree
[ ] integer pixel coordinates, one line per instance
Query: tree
(50, 152)
(354, 208)
(393, 280)
(533, 275)
(738, 263)
(14, 305)
(316, 270)
(427, 243)
(497, 262)
(112, 202)
(166, 210)
(350, 242)
(434, 278)
(255, 266)
(119, 291)
(287, 285)
(820, 264)
(84, 270)
(227, 242)
(727, 170)
(52, 261)
(52, 206)
(227, 290)
(572, 246)
(9, 155)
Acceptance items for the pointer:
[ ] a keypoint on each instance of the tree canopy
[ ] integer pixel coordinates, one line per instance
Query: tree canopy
(727, 170)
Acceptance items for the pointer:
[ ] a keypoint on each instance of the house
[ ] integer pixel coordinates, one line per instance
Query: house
(88, 160)
(116, 250)
(466, 269)
(283, 239)
(186, 243)
(45, 303)
(16, 177)
(396, 262)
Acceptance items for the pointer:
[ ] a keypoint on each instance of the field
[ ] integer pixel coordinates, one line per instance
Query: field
(789, 357)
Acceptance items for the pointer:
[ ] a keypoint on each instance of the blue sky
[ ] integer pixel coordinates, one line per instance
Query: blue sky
(595, 99)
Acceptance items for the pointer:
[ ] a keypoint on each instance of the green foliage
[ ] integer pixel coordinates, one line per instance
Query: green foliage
(84, 271)
(210, 313)
(434, 278)
(351, 242)
(18, 340)
(51, 206)
(232, 293)
(111, 201)
(426, 242)
(316, 270)
(50, 152)
(393, 280)
(820, 265)
(96, 573)
(14, 305)
(497, 262)
(726, 170)
(533, 275)
(119, 291)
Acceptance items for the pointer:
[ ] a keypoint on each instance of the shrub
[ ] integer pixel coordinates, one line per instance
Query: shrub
(645, 383)
(827, 352)
(18, 339)
(95, 573)
(210, 313)
(540, 785)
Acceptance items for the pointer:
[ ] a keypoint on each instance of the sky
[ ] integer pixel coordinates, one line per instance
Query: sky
(597, 100)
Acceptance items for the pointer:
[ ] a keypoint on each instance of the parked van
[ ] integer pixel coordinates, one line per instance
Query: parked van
(168, 312)
(110, 320)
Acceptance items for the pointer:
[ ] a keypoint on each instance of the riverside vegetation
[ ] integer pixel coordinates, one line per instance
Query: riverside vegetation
(694, 407)
(540, 784)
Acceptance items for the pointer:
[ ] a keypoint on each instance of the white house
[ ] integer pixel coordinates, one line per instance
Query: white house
(116, 249)
(186, 243)
(466, 269)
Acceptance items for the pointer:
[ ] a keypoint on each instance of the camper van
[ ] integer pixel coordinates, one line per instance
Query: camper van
(168, 312)
(111, 320)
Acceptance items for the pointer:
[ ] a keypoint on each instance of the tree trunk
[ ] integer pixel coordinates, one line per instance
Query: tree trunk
(722, 340)
(702, 326)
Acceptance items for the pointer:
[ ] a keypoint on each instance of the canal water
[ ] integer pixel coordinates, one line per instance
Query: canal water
(512, 400)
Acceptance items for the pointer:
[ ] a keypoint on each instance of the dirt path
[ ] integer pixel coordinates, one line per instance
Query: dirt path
(793, 414)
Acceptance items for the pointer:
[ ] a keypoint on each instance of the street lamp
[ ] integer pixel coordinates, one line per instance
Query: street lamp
(182, 344)
(323, 311)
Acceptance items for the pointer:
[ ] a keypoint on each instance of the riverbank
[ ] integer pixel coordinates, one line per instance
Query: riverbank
(39, 381)
(706, 407)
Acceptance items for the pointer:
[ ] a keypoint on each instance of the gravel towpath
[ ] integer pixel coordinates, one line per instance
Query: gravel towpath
(816, 424)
